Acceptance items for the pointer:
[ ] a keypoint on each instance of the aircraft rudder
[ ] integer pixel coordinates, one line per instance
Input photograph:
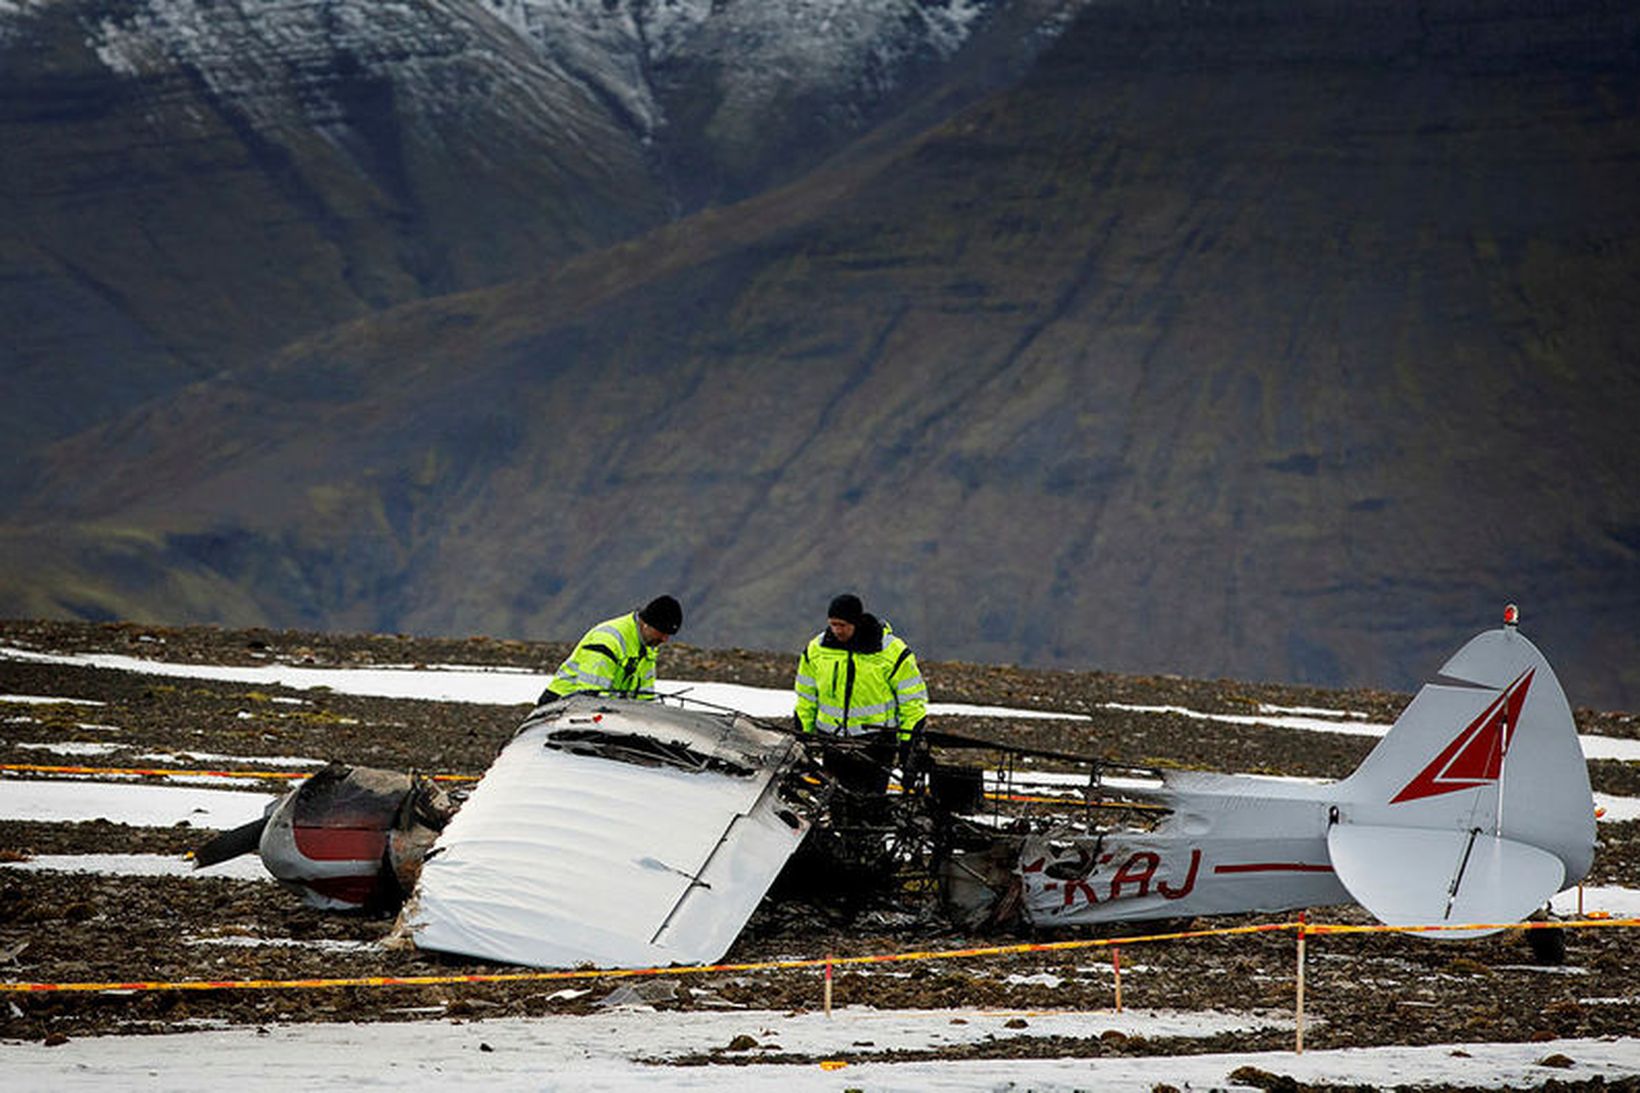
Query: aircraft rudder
(1488, 743)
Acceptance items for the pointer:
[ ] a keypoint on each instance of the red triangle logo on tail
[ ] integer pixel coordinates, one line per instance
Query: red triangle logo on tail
(1475, 755)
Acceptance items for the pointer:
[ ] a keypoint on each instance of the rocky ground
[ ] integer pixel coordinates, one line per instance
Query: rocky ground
(75, 928)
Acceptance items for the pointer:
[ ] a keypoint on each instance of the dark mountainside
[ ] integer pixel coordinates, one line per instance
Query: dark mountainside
(1279, 342)
(189, 187)
(165, 227)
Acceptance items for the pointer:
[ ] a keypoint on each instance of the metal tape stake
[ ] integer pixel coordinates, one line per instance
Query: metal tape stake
(828, 984)
(1116, 964)
(1298, 1012)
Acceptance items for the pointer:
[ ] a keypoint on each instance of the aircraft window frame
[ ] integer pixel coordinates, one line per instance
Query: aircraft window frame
(643, 750)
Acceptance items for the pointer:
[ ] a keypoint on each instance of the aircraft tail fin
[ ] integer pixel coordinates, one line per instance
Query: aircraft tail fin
(1475, 806)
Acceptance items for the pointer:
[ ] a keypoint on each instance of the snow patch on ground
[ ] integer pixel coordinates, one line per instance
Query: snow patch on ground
(241, 761)
(621, 1050)
(321, 944)
(1339, 721)
(73, 747)
(454, 683)
(1602, 899)
(1354, 724)
(127, 803)
(1609, 809)
(49, 701)
(245, 867)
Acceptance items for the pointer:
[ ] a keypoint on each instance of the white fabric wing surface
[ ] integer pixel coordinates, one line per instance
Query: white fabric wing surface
(569, 857)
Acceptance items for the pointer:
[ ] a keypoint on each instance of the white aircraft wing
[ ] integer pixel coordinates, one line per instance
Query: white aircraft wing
(614, 833)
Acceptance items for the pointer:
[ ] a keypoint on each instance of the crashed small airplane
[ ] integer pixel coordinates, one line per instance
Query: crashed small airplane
(627, 832)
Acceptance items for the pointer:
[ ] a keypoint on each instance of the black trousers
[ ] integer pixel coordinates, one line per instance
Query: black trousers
(863, 763)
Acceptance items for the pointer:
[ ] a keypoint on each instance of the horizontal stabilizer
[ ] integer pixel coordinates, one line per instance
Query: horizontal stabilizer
(1412, 876)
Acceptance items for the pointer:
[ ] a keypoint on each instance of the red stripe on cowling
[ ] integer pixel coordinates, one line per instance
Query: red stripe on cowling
(340, 843)
(1273, 867)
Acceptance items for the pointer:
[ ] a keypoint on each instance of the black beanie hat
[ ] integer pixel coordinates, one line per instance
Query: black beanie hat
(663, 613)
(846, 607)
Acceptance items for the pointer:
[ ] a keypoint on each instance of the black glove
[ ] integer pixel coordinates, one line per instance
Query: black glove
(913, 758)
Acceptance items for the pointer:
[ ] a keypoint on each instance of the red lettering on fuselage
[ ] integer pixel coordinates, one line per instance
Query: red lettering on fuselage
(1137, 872)
(1138, 869)
(1189, 879)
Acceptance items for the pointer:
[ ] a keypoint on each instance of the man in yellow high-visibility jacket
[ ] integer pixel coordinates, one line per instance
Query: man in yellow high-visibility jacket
(857, 678)
(618, 655)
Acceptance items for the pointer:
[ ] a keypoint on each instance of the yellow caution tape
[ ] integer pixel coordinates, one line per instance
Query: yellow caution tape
(627, 973)
(1594, 920)
(173, 772)
(1302, 927)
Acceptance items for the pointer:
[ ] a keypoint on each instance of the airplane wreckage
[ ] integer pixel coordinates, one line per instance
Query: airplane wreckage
(623, 831)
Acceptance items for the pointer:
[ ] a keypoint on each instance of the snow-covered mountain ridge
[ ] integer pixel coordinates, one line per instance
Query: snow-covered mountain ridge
(848, 48)
(647, 60)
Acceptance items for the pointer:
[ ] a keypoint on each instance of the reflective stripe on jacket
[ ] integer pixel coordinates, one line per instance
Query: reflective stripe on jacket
(849, 692)
(611, 657)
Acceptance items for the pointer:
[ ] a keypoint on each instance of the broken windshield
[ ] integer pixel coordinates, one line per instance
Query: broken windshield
(645, 751)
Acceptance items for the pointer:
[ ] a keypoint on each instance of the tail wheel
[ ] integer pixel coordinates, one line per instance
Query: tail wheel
(1548, 946)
